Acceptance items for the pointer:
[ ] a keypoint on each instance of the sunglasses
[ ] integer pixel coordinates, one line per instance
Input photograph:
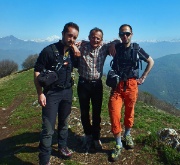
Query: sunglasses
(121, 34)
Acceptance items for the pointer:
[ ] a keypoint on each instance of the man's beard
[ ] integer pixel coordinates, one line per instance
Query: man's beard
(127, 42)
(67, 43)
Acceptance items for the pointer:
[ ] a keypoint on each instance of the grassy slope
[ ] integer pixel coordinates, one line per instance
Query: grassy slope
(26, 119)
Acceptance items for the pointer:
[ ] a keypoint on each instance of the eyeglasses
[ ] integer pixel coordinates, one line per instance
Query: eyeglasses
(121, 34)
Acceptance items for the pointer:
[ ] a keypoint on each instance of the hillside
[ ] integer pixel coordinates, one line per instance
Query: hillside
(164, 79)
(20, 120)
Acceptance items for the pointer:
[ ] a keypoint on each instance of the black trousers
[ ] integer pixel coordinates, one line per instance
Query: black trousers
(58, 103)
(90, 91)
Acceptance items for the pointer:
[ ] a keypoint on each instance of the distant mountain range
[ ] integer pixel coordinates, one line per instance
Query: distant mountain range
(18, 50)
(163, 81)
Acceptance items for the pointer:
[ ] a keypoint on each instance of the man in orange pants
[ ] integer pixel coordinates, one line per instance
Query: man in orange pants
(126, 65)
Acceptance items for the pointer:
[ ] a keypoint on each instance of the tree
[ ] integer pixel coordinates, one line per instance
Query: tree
(7, 67)
(29, 61)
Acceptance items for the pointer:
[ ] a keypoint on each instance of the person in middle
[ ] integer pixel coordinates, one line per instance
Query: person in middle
(90, 88)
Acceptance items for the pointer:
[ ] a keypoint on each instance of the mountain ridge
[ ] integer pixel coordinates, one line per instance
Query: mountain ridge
(15, 49)
(56, 38)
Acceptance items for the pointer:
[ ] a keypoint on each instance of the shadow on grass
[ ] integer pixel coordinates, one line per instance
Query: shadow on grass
(75, 144)
(23, 148)
(12, 148)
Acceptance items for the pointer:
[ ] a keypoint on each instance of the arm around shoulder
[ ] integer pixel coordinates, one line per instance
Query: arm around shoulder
(111, 47)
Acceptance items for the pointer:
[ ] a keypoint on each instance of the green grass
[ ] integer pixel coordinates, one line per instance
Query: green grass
(19, 86)
(23, 141)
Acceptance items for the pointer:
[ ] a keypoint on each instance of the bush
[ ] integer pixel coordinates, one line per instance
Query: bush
(29, 61)
(7, 67)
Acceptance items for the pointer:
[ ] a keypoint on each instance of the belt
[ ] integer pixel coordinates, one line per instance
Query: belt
(61, 86)
(83, 80)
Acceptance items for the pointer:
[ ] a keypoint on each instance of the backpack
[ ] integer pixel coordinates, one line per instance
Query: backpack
(48, 78)
(119, 73)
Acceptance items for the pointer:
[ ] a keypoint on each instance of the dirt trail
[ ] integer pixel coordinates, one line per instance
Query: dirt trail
(129, 157)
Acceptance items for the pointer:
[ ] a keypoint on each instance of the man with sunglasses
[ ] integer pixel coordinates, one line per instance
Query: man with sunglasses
(126, 90)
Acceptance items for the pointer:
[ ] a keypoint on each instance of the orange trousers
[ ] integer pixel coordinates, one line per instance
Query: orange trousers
(117, 98)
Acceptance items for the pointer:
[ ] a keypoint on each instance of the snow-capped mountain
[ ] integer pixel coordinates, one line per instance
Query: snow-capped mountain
(53, 38)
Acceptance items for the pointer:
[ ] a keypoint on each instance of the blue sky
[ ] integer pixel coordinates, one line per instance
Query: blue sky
(39, 19)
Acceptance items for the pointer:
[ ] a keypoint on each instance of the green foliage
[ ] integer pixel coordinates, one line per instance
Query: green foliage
(7, 67)
(18, 92)
(169, 156)
(29, 61)
(19, 86)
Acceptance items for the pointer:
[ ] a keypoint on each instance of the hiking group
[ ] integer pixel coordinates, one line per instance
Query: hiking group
(53, 82)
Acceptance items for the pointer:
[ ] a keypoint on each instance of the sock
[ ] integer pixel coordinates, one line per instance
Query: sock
(127, 131)
(118, 141)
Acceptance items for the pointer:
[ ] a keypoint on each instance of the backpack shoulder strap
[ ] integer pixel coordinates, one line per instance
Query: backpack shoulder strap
(111, 62)
(134, 51)
(114, 61)
(135, 46)
(59, 59)
(55, 50)
(134, 54)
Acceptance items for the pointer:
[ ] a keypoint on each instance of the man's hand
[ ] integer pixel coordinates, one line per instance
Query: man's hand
(141, 80)
(78, 43)
(76, 51)
(42, 100)
(41, 96)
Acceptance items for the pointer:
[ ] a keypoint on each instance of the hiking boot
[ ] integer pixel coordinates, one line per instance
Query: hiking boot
(87, 142)
(97, 145)
(65, 153)
(116, 153)
(129, 141)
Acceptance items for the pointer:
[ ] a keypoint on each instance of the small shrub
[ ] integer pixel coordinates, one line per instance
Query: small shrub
(7, 67)
(29, 61)
(168, 155)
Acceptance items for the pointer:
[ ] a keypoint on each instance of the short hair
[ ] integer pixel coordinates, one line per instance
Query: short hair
(70, 24)
(96, 30)
(123, 26)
